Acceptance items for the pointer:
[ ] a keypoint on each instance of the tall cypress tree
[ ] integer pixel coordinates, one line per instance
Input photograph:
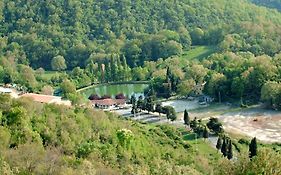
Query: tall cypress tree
(205, 133)
(107, 73)
(126, 68)
(133, 99)
(168, 75)
(134, 109)
(219, 144)
(140, 103)
(224, 147)
(229, 150)
(101, 72)
(114, 68)
(168, 81)
(149, 104)
(186, 118)
(120, 70)
(253, 148)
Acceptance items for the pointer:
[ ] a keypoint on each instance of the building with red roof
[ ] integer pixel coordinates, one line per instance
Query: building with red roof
(107, 103)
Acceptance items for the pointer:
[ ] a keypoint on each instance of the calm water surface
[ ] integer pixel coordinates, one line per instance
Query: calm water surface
(127, 89)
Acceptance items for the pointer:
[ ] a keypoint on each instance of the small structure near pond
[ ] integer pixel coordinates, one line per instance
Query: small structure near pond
(108, 103)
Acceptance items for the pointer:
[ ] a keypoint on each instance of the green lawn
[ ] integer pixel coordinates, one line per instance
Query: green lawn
(49, 74)
(199, 52)
(199, 144)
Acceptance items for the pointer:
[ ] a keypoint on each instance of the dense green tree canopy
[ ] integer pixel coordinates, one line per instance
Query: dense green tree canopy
(35, 32)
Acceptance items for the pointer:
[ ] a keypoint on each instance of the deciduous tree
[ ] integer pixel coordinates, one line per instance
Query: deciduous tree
(58, 63)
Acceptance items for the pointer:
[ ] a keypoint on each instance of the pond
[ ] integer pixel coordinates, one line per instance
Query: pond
(127, 89)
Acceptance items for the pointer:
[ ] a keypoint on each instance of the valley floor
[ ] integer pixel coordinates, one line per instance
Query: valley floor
(257, 122)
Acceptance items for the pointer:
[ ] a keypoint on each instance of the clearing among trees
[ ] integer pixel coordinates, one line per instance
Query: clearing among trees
(263, 124)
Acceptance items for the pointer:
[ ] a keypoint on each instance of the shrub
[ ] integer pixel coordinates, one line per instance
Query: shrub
(124, 137)
(243, 141)
(120, 96)
(84, 149)
(94, 97)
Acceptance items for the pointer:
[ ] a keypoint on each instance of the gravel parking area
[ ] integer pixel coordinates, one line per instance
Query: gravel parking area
(263, 124)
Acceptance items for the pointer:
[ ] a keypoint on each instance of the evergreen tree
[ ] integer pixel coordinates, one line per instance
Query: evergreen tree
(168, 75)
(149, 104)
(186, 118)
(153, 94)
(120, 70)
(124, 61)
(168, 81)
(140, 103)
(7, 78)
(205, 133)
(224, 147)
(229, 150)
(133, 100)
(219, 144)
(134, 109)
(126, 68)
(107, 73)
(174, 82)
(91, 71)
(159, 108)
(253, 148)
(114, 68)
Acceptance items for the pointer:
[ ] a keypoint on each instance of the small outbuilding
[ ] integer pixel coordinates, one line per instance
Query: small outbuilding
(108, 103)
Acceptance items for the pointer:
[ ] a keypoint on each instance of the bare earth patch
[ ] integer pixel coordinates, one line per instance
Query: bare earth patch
(263, 124)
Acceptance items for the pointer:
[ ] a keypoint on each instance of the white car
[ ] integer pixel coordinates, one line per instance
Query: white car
(203, 103)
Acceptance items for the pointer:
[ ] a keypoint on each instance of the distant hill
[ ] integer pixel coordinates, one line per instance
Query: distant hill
(34, 32)
(275, 4)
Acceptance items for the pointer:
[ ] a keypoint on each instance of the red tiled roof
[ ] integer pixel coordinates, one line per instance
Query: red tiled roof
(109, 102)
(120, 101)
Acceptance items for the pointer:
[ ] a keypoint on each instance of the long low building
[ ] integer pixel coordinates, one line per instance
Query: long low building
(107, 103)
(5, 90)
(12, 92)
(47, 99)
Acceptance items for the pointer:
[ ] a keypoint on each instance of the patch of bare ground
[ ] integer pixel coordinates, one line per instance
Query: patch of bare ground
(263, 124)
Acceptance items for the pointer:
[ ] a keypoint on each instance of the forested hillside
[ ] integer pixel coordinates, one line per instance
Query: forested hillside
(50, 139)
(34, 32)
(229, 50)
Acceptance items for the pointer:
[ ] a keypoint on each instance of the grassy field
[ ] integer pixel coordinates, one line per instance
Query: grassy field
(199, 143)
(49, 74)
(199, 52)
